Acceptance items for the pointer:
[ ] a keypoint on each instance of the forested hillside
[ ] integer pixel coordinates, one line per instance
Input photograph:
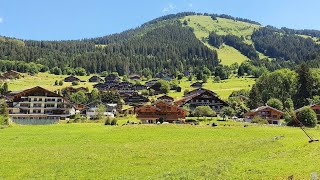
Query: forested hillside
(178, 42)
(169, 46)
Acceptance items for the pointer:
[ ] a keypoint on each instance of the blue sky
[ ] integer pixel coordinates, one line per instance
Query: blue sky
(76, 19)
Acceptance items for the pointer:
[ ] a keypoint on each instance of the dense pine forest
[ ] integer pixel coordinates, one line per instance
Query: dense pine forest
(164, 43)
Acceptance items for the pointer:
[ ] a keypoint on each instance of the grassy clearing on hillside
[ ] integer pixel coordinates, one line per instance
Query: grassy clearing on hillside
(94, 151)
(223, 88)
(203, 25)
(45, 80)
(229, 55)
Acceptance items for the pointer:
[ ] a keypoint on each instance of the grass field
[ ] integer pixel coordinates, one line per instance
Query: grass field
(95, 151)
(45, 80)
(203, 25)
(223, 88)
(229, 55)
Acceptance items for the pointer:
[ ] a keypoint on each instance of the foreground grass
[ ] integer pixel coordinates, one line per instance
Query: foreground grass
(94, 151)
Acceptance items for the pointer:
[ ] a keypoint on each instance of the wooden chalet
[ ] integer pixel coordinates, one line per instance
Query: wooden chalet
(95, 79)
(157, 88)
(112, 78)
(124, 91)
(166, 98)
(38, 106)
(2, 78)
(11, 75)
(151, 82)
(104, 87)
(197, 85)
(161, 110)
(125, 84)
(136, 99)
(268, 113)
(181, 102)
(196, 91)
(202, 97)
(134, 77)
(71, 90)
(315, 108)
(71, 79)
(139, 87)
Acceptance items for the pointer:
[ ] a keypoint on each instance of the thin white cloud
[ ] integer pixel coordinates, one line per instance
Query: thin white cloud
(172, 6)
(1, 20)
(165, 10)
(190, 5)
(169, 8)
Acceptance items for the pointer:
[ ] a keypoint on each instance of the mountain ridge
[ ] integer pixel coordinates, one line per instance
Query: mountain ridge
(156, 45)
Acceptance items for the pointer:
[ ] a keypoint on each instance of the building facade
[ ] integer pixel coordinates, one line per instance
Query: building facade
(161, 110)
(36, 105)
(268, 113)
(203, 97)
(92, 110)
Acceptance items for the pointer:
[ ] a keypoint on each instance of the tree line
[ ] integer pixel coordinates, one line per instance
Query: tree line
(278, 44)
(301, 86)
(170, 47)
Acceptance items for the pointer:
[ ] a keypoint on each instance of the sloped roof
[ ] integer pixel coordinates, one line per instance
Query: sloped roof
(184, 100)
(195, 93)
(199, 91)
(312, 105)
(166, 97)
(156, 105)
(33, 91)
(262, 108)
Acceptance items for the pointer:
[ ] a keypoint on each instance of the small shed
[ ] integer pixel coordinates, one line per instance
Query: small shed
(197, 85)
(11, 75)
(71, 79)
(135, 77)
(95, 79)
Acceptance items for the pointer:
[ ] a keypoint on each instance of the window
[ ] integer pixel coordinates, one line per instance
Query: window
(50, 105)
(37, 105)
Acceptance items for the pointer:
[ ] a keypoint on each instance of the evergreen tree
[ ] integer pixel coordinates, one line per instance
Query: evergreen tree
(240, 71)
(304, 85)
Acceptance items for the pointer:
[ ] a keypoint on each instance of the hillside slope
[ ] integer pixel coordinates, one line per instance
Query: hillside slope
(176, 42)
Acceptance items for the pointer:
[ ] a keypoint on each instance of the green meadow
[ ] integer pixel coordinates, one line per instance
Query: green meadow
(203, 25)
(45, 80)
(223, 88)
(95, 151)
